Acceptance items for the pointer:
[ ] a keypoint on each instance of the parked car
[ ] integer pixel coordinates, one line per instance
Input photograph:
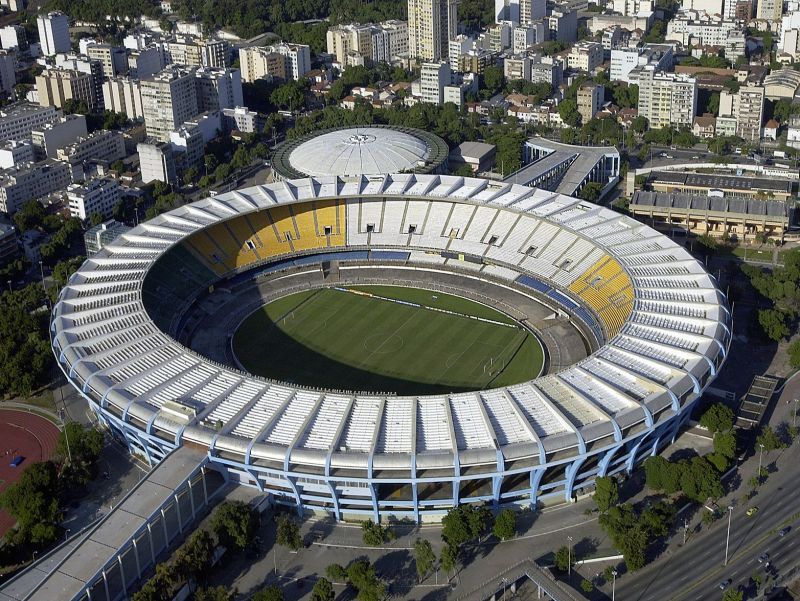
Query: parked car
(724, 584)
(752, 511)
(783, 532)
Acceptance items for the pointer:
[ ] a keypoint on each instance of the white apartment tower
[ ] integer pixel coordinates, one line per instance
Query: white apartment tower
(532, 10)
(431, 24)
(168, 99)
(53, 33)
(667, 99)
(433, 78)
(769, 10)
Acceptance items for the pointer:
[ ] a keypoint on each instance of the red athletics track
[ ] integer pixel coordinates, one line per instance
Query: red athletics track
(26, 434)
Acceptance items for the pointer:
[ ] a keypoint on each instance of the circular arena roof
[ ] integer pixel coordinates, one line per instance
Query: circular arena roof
(662, 323)
(354, 151)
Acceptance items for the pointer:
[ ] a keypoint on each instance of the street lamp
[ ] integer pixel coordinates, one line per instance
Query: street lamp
(66, 534)
(794, 415)
(613, 584)
(569, 557)
(504, 581)
(728, 536)
(760, 454)
(41, 270)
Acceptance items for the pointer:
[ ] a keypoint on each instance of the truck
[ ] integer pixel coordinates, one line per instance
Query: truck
(781, 154)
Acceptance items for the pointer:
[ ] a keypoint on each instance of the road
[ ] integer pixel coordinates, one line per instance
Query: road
(694, 571)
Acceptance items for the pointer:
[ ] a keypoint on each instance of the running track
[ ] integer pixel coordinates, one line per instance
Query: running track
(26, 434)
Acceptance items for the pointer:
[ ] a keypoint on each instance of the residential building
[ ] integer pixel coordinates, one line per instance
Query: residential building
(146, 62)
(625, 60)
(112, 59)
(60, 133)
(31, 181)
(525, 36)
(769, 10)
(168, 99)
(532, 10)
(433, 78)
(8, 64)
(479, 156)
(242, 119)
(507, 10)
(747, 108)
(282, 61)
(82, 64)
(101, 145)
(343, 39)
(218, 89)
(632, 7)
(589, 100)
(547, 73)
(17, 120)
(13, 37)
(517, 67)
(183, 51)
(704, 126)
(373, 42)
(98, 196)
(431, 24)
(694, 28)
(16, 152)
(156, 162)
(215, 54)
(461, 44)
(667, 99)
(585, 56)
(56, 86)
(476, 61)
(100, 235)
(53, 33)
(209, 124)
(188, 146)
(9, 244)
(123, 95)
(563, 25)
(498, 36)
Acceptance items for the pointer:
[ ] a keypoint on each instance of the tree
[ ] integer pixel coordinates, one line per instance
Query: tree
(717, 418)
(568, 111)
(660, 474)
(587, 585)
(216, 593)
(563, 559)
(234, 524)
(323, 590)
(773, 322)
(193, 558)
(769, 439)
(700, 480)
(464, 524)
(606, 493)
(639, 124)
(289, 533)
(505, 525)
(448, 558)
(363, 577)
(725, 444)
(336, 573)
(30, 215)
(424, 557)
(493, 79)
(591, 191)
(32, 501)
(794, 353)
(733, 595)
(374, 534)
(290, 96)
(273, 593)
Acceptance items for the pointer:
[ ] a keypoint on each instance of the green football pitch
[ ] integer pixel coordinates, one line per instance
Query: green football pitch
(386, 339)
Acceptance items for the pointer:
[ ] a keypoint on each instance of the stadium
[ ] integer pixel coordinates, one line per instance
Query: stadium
(295, 332)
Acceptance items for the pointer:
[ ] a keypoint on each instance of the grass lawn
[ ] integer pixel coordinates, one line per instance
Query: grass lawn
(338, 339)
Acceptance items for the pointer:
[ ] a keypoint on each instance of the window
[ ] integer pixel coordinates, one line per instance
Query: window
(454, 233)
(370, 228)
(492, 240)
(412, 229)
(250, 245)
(565, 264)
(531, 251)
(328, 230)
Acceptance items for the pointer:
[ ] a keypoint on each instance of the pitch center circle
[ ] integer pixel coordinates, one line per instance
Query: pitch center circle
(383, 343)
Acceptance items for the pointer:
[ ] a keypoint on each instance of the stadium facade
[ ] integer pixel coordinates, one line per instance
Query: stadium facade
(656, 325)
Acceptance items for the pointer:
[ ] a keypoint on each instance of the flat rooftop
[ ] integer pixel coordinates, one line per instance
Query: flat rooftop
(715, 204)
(722, 181)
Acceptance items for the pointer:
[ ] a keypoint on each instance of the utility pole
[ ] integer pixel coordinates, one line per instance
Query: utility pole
(794, 415)
(685, 529)
(728, 537)
(760, 454)
(569, 557)
(613, 585)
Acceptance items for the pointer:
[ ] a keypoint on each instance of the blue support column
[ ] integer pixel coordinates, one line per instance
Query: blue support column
(572, 474)
(535, 480)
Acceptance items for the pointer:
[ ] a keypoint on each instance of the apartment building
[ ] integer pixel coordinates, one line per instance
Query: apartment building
(693, 28)
(374, 42)
(667, 99)
(58, 134)
(98, 196)
(746, 107)
(431, 24)
(102, 145)
(113, 59)
(517, 67)
(625, 60)
(433, 78)
(15, 152)
(547, 73)
(632, 7)
(281, 61)
(123, 95)
(168, 99)
(218, 89)
(769, 10)
(13, 37)
(531, 11)
(147, 61)
(562, 25)
(589, 99)
(31, 181)
(8, 65)
(585, 56)
(156, 162)
(53, 33)
(56, 86)
(17, 120)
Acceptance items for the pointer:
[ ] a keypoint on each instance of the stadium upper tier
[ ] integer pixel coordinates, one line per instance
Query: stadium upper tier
(661, 323)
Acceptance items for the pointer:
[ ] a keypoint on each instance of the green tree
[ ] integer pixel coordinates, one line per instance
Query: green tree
(336, 573)
(733, 595)
(773, 322)
(193, 558)
(606, 492)
(29, 216)
(717, 418)
(323, 590)
(216, 593)
(505, 524)
(769, 439)
(563, 558)
(234, 524)
(273, 593)
(493, 79)
(424, 557)
(448, 558)
(364, 579)
(290, 96)
(794, 353)
(725, 444)
(639, 124)
(373, 535)
(568, 111)
(32, 501)
(289, 533)
(463, 524)
(591, 191)
(587, 586)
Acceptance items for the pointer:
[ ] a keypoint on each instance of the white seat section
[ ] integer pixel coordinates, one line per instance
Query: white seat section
(430, 258)
(263, 411)
(500, 227)
(542, 419)
(649, 369)
(611, 400)
(238, 398)
(504, 419)
(389, 232)
(459, 219)
(285, 430)
(323, 428)
(355, 235)
(481, 221)
(581, 412)
(433, 229)
(153, 378)
(397, 184)
(683, 340)
(469, 422)
(211, 391)
(662, 354)
(180, 386)
(370, 214)
(512, 248)
(638, 388)
(395, 435)
(433, 425)
(416, 213)
(361, 424)
(499, 271)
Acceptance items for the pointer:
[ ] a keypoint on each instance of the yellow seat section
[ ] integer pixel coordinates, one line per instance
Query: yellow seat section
(247, 253)
(607, 289)
(215, 247)
(320, 224)
(271, 227)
